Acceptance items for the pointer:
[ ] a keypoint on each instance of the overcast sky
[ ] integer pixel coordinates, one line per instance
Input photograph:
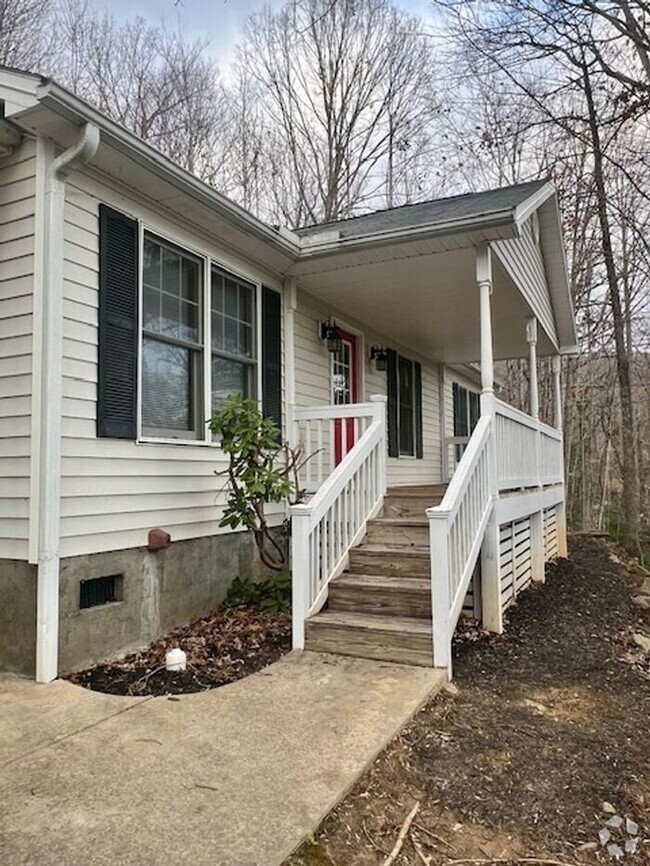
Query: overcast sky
(220, 20)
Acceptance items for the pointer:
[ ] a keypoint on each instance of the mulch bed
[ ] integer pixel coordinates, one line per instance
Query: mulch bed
(518, 762)
(228, 644)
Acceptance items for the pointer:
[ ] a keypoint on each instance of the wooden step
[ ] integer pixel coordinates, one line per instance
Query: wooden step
(424, 489)
(393, 639)
(398, 531)
(385, 596)
(409, 504)
(390, 561)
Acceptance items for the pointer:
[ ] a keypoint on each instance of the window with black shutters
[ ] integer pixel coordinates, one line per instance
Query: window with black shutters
(184, 328)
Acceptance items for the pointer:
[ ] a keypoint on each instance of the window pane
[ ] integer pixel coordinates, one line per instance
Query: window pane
(246, 341)
(169, 323)
(190, 286)
(460, 411)
(228, 377)
(217, 292)
(217, 331)
(245, 304)
(406, 407)
(171, 271)
(151, 309)
(232, 336)
(232, 306)
(474, 409)
(166, 386)
(189, 322)
(151, 264)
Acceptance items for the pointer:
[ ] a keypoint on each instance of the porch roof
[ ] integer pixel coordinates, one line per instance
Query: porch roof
(409, 272)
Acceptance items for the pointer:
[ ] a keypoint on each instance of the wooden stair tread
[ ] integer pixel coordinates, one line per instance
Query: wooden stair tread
(380, 581)
(399, 521)
(411, 550)
(373, 622)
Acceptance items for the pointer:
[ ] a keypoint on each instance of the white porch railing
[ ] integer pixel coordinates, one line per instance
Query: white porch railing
(456, 529)
(320, 428)
(334, 520)
(528, 452)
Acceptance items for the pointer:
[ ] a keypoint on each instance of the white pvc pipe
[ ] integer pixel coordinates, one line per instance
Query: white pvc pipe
(47, 596)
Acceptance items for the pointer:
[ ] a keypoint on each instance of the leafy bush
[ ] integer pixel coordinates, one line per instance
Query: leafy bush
(261, 470)
(273, 594)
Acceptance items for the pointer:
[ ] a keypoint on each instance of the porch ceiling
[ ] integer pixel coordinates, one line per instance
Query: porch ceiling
(429, 301)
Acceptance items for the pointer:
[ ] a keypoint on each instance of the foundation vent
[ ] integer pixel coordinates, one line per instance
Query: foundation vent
(100, 590)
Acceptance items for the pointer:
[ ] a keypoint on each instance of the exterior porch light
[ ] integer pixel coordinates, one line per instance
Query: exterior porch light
(380, 356)
(331, 332)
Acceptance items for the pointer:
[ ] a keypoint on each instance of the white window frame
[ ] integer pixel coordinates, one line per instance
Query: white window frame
(206, 367)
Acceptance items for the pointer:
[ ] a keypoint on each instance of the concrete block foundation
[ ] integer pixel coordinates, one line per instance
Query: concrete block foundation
(158, 591)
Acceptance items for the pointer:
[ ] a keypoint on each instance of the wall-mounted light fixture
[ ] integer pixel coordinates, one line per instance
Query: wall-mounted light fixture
(331, 332)
(380, 356)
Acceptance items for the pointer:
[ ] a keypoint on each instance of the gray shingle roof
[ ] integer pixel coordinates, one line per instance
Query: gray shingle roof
(439, 210)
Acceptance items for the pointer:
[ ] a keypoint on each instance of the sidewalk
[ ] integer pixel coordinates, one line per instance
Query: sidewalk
(231, 777)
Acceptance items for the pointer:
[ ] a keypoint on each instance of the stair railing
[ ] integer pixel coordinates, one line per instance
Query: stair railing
(334, 520)
(456, 530)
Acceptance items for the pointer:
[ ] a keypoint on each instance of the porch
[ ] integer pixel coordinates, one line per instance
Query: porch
(368, 579)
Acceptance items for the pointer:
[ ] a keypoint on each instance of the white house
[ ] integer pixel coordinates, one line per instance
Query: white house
(133, 298)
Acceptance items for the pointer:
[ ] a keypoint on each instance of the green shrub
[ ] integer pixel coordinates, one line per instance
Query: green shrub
(272, 595)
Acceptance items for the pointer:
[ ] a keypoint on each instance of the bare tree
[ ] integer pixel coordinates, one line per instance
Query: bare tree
(348, 86)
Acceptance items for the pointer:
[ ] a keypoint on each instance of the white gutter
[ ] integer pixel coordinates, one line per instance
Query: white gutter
(9, 138)
(49, 495)
(324, 244)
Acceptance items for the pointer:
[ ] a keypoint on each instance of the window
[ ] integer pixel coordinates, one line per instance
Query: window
(101, 590)
(404, 406)
(172, 342)
(177, 333)
(233, 328)
(467, 410)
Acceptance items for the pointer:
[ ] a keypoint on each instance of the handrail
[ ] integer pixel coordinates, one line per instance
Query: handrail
(344, 410)
(324, 529)
(456, 530)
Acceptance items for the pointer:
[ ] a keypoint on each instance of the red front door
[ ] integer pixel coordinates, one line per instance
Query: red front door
(344, 390)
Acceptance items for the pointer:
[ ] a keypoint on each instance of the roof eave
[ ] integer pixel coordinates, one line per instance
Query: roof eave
(504, 219)
(65, 104)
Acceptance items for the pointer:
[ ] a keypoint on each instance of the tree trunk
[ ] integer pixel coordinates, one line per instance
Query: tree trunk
(628, 439)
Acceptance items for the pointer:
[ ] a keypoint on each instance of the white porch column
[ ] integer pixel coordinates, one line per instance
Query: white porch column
(531, 337)
(557, 423)
(484, 279)
(490, 570)
(557, 392)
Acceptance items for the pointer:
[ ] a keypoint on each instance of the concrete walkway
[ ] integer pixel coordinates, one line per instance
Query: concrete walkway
(231, 777)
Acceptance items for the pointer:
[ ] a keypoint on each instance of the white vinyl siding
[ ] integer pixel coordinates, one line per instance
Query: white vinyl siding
(113, 491)
(17, 208)
(313, 385)
(522, 259)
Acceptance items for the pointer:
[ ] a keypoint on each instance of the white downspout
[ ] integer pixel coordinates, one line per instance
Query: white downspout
(47, 599)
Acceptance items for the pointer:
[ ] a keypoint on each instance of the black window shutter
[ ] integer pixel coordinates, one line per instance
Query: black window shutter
(118, 325)
(393, 408)
(272, 355)
(417, 387)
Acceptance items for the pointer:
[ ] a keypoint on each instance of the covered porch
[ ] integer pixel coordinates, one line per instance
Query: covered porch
(468, 284)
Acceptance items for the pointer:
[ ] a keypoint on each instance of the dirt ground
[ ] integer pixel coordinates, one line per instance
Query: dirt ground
(228, 644)
(544, 733)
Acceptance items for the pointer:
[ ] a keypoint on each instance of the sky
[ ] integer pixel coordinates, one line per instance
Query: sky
(221, 21)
